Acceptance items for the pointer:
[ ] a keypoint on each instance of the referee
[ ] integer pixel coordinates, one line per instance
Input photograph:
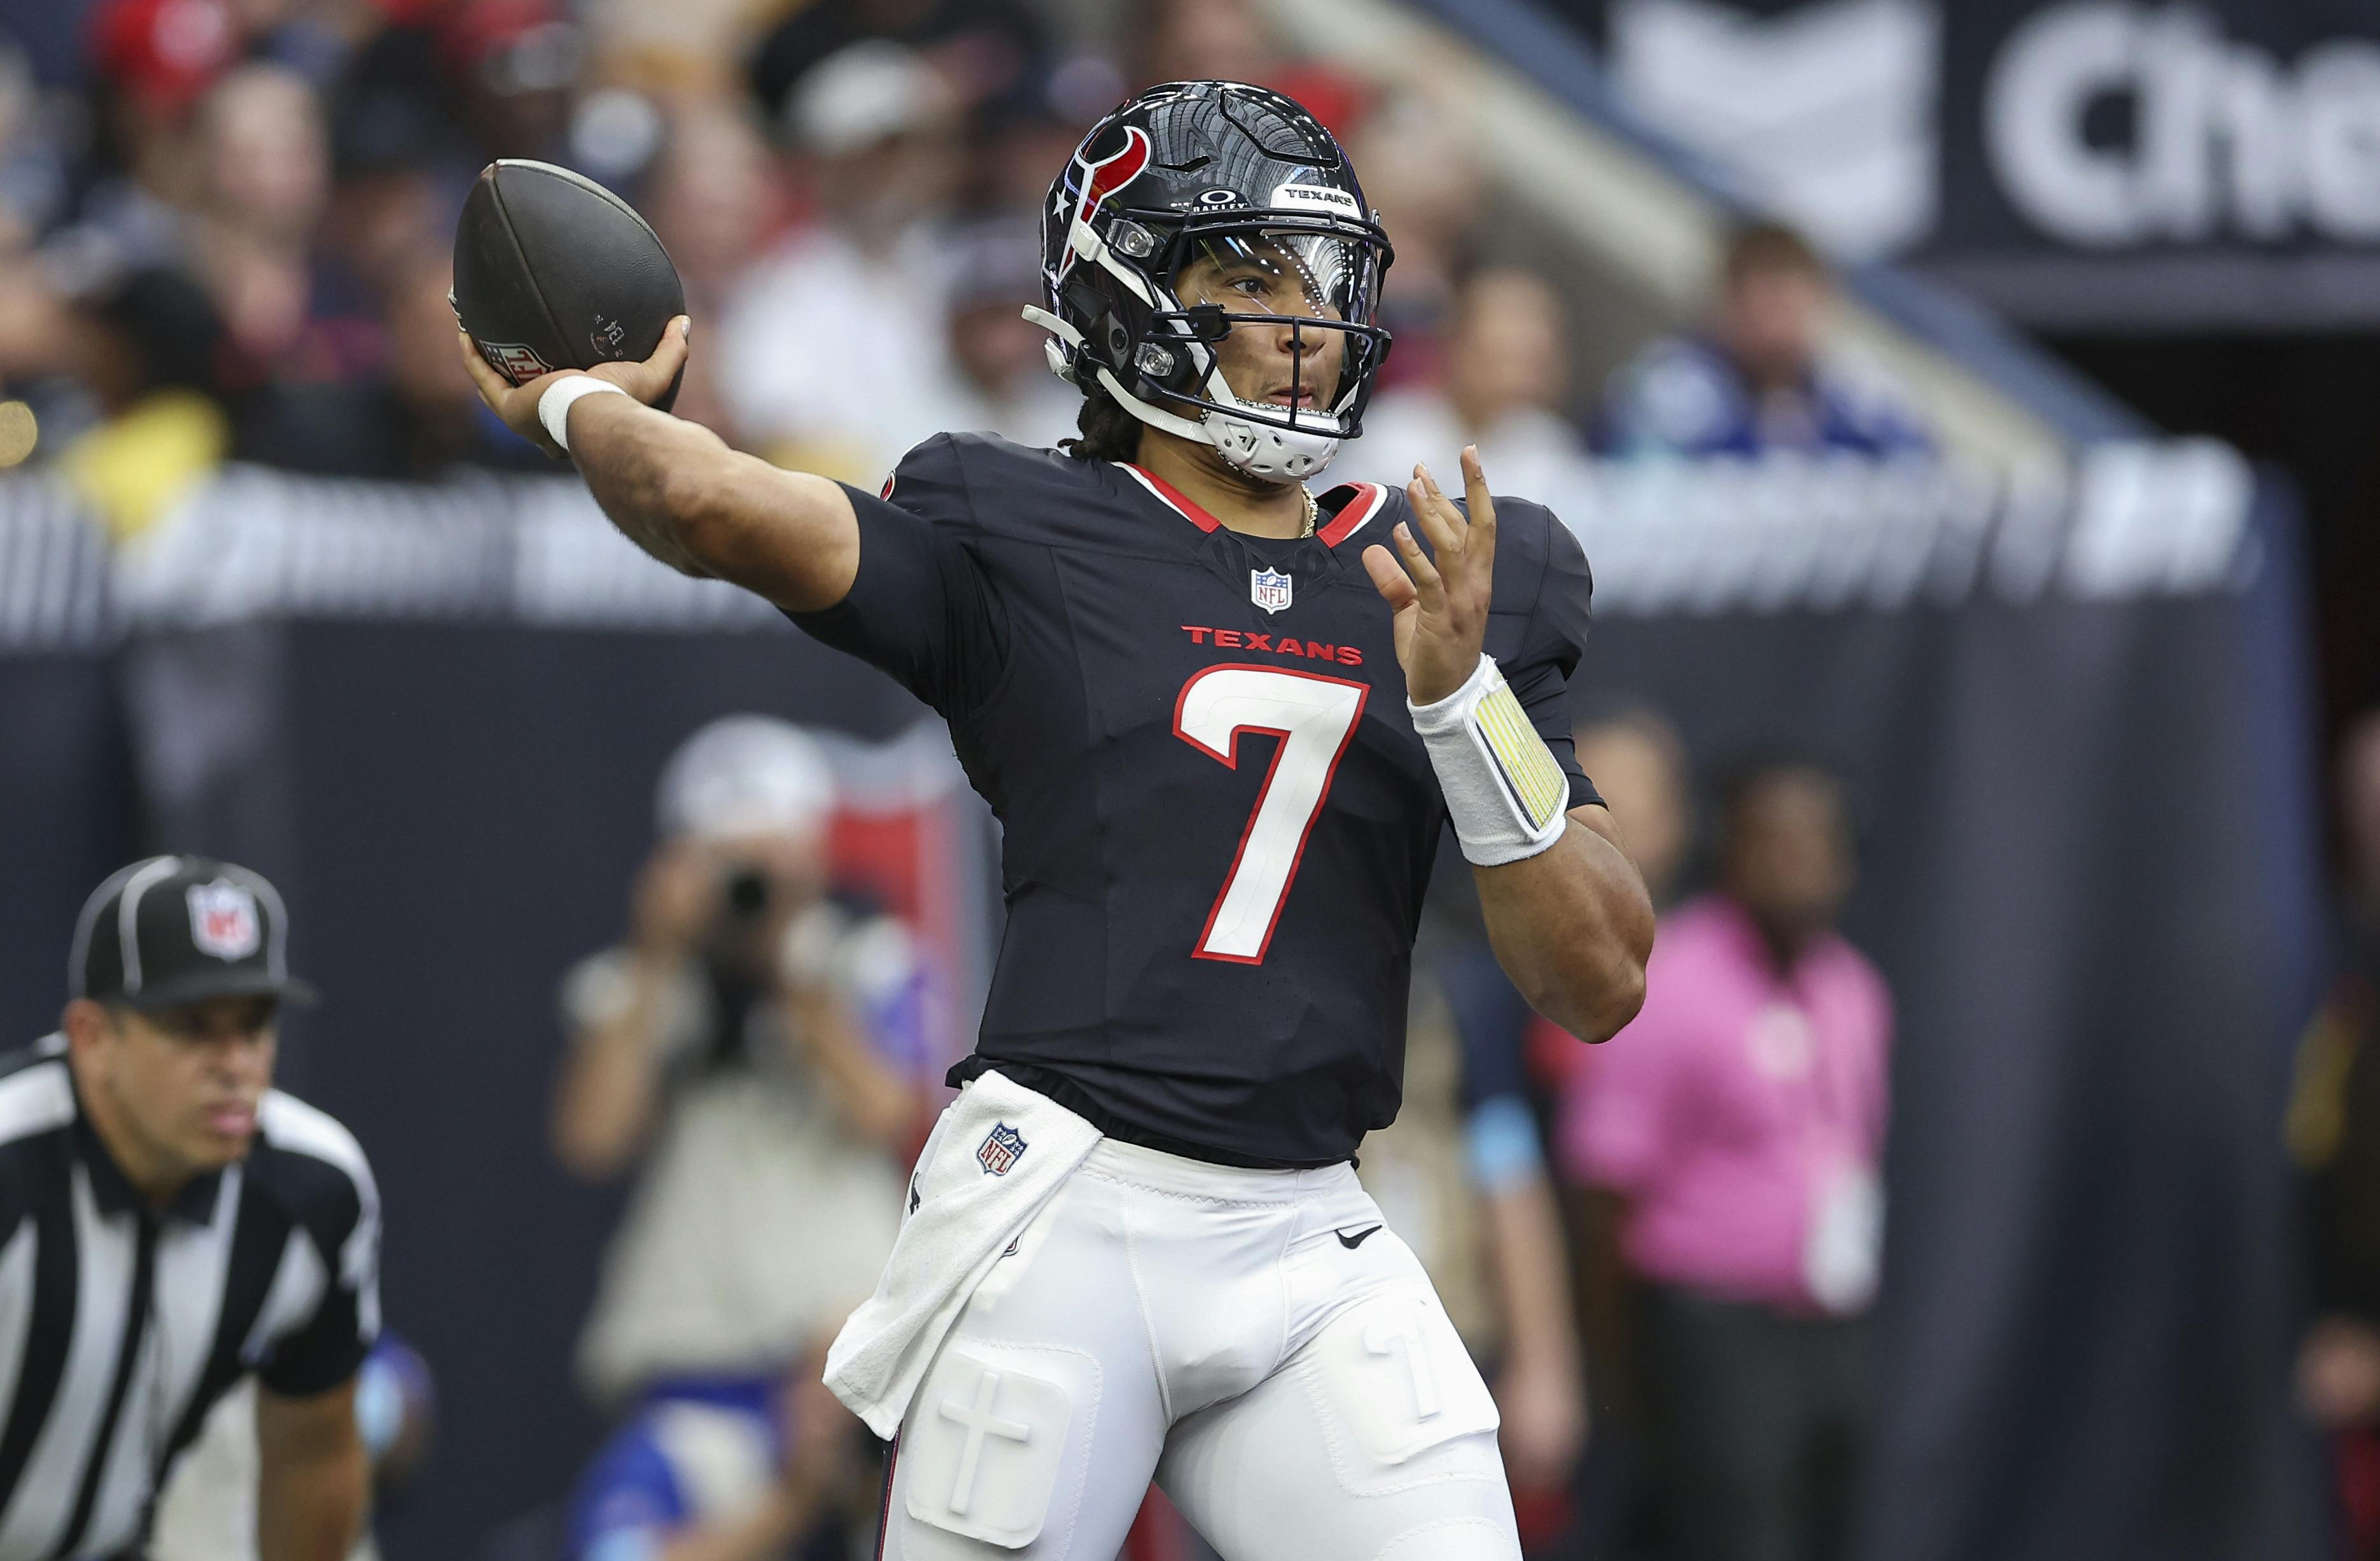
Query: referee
(169, 1223)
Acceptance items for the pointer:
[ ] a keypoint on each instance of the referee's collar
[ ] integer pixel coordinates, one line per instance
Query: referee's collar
(114, 1191)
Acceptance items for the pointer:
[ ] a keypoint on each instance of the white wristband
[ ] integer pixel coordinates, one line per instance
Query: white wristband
(1507, 794)
(553, 406)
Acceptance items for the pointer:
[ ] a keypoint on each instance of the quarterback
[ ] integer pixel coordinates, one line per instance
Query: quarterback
(1222, 718)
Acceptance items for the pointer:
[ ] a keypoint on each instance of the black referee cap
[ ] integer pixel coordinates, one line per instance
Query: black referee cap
(182, 930)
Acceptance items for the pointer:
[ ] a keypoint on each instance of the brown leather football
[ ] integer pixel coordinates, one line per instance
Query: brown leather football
(552, 270)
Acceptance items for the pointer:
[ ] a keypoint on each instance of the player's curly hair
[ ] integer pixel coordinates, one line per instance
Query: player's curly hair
(1109, 433)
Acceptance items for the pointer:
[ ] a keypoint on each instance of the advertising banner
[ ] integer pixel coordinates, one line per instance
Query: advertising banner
(2074, 164)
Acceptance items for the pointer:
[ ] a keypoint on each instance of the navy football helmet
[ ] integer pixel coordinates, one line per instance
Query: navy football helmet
(1224, 180)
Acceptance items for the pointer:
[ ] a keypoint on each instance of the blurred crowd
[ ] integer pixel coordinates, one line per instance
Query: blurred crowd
(225, 232)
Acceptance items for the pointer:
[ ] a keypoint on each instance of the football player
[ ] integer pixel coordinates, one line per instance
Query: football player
(1223, 719)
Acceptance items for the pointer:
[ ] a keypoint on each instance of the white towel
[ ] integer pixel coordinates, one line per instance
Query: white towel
(999, 1154)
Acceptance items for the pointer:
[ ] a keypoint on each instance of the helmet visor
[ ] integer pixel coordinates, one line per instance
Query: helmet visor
(1320, 284)
(1275, 271)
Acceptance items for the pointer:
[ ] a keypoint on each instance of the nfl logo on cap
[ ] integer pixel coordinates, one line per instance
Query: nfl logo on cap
(1268, 590)
(1002, 1148)
(223, 920)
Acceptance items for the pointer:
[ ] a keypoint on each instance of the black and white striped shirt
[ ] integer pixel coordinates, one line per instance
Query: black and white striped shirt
(120, 1326)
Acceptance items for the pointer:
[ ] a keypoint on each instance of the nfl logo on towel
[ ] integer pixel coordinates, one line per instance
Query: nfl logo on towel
(223, 921)
(1002, 1148)
(1268, 591)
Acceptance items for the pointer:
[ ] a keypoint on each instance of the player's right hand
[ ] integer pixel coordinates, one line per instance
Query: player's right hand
(517, 404)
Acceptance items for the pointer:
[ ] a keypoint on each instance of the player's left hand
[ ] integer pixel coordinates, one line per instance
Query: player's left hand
(1440, 606)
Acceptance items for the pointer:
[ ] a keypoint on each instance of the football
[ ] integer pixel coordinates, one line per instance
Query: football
(552, 270)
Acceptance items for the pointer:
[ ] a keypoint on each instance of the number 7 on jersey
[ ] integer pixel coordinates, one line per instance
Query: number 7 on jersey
(1313, 718)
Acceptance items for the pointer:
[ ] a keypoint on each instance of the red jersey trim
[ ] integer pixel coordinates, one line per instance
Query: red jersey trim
(1355, 513)
(1166, 493)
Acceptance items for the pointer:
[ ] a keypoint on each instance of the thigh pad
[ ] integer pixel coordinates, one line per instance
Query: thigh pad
(985, 1439)
(1392, 1374)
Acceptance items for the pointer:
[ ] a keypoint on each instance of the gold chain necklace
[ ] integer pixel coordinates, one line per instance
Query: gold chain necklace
(1313, 510)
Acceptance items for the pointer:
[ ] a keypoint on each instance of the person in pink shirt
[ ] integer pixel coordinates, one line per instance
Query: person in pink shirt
(1740, 1122)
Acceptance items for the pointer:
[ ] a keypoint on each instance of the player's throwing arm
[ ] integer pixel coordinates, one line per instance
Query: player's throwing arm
(1566, 909)
(674, 488)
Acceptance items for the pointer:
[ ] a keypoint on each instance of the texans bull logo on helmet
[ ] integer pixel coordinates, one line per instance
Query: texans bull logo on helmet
(1104, 177)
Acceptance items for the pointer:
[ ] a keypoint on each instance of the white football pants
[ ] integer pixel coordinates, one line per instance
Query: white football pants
(1254, 1340)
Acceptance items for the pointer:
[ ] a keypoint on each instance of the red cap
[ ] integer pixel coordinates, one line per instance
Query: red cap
(164, 52)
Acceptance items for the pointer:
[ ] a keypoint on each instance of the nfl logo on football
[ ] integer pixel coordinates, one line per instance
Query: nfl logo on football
(1268, 590)
(223, 921)
(515, 361)
(1002, 1148)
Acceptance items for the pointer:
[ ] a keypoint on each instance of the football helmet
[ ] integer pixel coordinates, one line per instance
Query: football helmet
(1244, 197)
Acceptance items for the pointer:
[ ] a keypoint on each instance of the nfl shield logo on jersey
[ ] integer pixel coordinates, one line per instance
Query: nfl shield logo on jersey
(1268, 590)
(223, 921)
(1002, 1148)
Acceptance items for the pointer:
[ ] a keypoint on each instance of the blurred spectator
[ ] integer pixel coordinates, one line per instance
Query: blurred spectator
(1507, 372)
(1024, 136)
(1422, 174)
(1460, 1176)
(1000, 381)
(311, 37)
(152, 61)
(832, 351)
(2334, 1135)
(402, 155)
(725, 1472)
(715, 198)
(713, 195)
(1741, 1119)
(33, 172)
(735, 1050)
(266, 179)
(1762, 379)
(688, 49)
(415, 421)
(1638, 763)
(980, 49)
(515, 65)
(1227, 41)
(152, 350)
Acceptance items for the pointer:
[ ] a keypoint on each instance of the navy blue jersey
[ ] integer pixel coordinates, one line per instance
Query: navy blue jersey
(1218, 823)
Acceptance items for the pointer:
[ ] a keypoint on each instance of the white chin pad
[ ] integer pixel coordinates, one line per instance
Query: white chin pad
(1268, 454)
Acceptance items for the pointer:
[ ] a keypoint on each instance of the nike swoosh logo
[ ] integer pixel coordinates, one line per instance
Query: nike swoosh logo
(1352, 1242)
